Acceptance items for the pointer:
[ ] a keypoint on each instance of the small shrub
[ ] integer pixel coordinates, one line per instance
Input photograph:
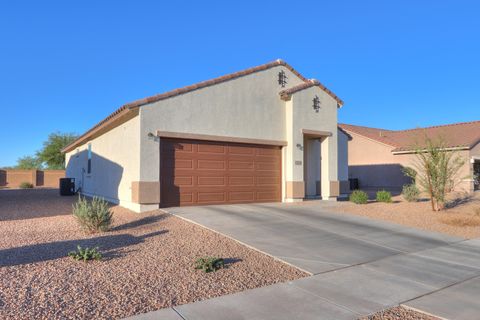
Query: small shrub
(209, 264)
(93, 216)
(26, 185)
(384, 196)
(85, 254)
(359, 197)
(410, 192)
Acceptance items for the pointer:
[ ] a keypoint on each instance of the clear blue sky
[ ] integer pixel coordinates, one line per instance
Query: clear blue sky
(65, 65)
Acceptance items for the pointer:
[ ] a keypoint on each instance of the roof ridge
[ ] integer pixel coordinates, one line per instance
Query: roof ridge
(199, 85)
(229, 76)
(375, 128)
(439, 126)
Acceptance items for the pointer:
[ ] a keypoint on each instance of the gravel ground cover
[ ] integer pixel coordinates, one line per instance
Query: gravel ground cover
(461, 218)
(400, 313)
(148, 262)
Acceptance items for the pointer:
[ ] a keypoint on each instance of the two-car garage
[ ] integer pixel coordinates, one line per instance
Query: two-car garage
(197, 172)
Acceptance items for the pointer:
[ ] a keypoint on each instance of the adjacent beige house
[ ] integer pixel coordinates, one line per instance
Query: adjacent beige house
(263, 134)
(376, 156)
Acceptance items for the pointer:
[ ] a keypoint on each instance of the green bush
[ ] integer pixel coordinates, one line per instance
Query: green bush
(93, 216)
(384, 196)
(359, 197)
(26, 185)
(85, 254)
(410, 192)
(209, 264)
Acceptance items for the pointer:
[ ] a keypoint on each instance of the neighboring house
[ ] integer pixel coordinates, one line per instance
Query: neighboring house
(376, 156)
(263, 134)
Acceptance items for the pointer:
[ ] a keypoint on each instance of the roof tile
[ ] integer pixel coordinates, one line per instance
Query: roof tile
(456, 135)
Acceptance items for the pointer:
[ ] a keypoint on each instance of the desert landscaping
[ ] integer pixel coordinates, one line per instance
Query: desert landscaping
(461, 216)
(148, 262)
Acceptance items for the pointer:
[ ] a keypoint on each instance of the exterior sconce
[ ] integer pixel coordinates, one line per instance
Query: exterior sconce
(282, 78)
(316, 103)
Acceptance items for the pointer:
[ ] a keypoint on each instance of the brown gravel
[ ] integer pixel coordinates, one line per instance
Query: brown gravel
(147, 265)
(400, 313)
(461, 218)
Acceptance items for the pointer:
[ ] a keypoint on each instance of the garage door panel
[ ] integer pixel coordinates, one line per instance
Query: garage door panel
(268, 181)
(211, 149)
(270, 166)
(211, 197)
(241, 181)
(212, 181)
(199, 172)
(211, 164)
(267, 196)
(241, 196)
(241, 165)
(183, 181)
(178, 164)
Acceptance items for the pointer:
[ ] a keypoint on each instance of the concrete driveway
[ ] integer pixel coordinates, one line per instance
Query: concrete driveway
(359, 266)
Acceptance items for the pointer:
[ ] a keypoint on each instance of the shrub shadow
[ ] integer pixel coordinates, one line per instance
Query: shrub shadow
(227, 262)
(461, 200)
(140, 222)
(55, 250)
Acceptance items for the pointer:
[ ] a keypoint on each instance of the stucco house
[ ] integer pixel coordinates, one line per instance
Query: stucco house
(376, 156)
(259, 135)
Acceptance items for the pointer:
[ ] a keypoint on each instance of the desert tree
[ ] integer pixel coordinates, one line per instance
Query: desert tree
(436, 170)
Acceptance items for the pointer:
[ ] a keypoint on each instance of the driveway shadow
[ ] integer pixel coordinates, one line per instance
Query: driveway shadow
(55, 250)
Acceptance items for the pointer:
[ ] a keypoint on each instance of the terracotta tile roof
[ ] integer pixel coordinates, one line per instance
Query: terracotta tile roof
(457, 135)
(138, 103)
(287, 93)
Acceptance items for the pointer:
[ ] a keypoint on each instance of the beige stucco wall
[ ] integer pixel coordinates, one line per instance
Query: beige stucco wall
(376, 166)
(246, 107)
(303, 116)
(115, 164)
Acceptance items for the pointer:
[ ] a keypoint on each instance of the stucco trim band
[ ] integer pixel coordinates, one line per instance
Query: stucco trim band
(334, 188)
(316, 133)
(295, 189)
(207, 137)
(146, 192)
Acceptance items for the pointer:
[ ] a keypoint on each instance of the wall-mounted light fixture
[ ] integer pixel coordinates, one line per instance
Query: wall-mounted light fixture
(316, 103)
(282, 78)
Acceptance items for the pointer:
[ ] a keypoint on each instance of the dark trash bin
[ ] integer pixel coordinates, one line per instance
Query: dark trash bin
(67, 186)
(354, 185)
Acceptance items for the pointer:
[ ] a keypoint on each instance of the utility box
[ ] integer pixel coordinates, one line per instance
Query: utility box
(67, 186)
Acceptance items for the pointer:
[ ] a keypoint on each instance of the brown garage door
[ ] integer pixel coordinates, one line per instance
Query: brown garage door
(197, 172)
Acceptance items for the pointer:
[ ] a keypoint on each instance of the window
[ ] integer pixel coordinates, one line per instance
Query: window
(89, 164)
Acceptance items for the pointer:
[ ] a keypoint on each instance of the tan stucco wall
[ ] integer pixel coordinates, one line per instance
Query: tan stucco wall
(126, 159)
(246, 107)
(376, 166)
(301, 115)
(115, 164)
